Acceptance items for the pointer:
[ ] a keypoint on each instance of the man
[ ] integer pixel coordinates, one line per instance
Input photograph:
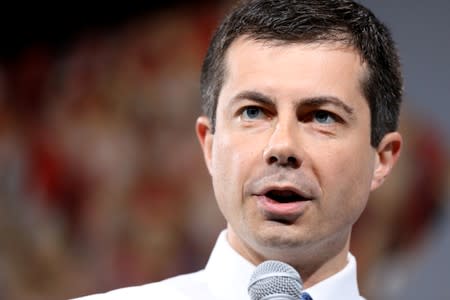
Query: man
(300, 101)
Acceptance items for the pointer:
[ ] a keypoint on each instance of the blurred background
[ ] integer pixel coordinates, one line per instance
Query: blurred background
(102, 182)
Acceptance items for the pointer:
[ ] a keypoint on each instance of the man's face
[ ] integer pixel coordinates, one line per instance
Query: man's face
(291, 160)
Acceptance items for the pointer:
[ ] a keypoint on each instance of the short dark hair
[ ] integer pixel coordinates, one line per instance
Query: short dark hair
(309, 21)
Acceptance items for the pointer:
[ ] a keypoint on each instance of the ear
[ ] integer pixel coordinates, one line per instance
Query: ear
(203, 127)
(387, 154)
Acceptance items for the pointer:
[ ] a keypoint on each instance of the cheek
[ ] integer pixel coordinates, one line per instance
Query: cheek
(345, 176)
(226, 159)
(232, 160)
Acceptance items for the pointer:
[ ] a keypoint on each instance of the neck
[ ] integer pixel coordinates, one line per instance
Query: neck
(322, 264)
(313, 262)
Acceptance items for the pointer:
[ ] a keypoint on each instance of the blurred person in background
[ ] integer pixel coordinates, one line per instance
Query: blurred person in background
(300, 104)
(84, 204)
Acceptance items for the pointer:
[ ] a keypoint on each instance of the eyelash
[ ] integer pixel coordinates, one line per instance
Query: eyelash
(304, 117)
(329, 115)
(245, 110)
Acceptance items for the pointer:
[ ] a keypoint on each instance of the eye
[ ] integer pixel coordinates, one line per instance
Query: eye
(252, 113)
(324, 117)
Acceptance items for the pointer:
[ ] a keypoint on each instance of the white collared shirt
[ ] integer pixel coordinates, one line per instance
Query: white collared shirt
(226, 276)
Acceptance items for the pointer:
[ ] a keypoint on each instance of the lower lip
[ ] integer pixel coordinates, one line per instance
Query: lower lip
(281, 209)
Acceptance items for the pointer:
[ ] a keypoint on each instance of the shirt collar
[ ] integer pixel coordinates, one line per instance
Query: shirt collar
(342, 285)
(228, 274)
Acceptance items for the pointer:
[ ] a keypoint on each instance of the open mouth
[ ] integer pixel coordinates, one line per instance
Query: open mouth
(282, 205)
(284, 196)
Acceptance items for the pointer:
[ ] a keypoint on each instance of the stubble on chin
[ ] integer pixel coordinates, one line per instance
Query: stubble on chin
(275, 236)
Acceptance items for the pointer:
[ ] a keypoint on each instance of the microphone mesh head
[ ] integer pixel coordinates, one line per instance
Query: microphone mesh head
(275, 278)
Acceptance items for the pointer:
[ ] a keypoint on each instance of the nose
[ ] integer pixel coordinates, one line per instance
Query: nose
(283, 149)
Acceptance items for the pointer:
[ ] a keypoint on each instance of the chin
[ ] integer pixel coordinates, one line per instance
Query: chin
(280, 236)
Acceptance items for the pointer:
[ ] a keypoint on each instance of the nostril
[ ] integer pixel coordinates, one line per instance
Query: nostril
(272, 160)
(292, 161)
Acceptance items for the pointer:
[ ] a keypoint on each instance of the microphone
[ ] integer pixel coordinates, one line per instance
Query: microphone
(275, 280)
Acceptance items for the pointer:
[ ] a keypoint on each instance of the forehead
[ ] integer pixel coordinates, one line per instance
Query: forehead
(325, 67)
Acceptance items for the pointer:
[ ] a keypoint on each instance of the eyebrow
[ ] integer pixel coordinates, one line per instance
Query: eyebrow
(324, 100)
(254, 96)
